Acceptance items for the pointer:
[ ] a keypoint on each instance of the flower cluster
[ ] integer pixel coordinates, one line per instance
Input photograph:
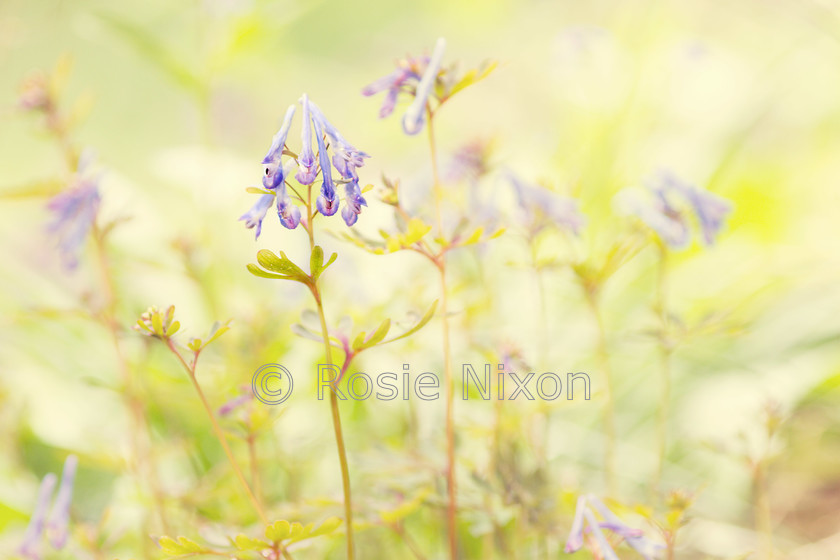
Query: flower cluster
(675, 203)
(74, 213)
(56, 524)
(541, 207)
(415, 76)
(472, 161)
(345, 159)
(584, 513)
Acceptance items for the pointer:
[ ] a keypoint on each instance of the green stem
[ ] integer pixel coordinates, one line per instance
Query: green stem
(217, 430)
(141, 454)
(665, 364)
(609, 410)
(763, 516)
(452, 505)
(336, 417)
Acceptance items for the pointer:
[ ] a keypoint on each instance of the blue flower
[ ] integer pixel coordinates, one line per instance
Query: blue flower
(422, 70)
(584, 513)
(409, 69)
(673, 205)
(415, 116)
(255, 216)
(288, 213)
(59, 515)
(346, 158)
(542, 208)
(35, 529)
(327, 202)
(353, 202)
(57, 527)
(74, 214)
(308, 167)
(274, 172)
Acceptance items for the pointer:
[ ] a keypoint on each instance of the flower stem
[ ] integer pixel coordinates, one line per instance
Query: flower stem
(217, 430)
(140, 453)
(452, 505)
(336, 417)
(665, 364)
(609, 411)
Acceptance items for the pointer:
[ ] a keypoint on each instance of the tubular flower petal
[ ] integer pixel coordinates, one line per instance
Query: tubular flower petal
(60, 513)
(415, 116)
(35, 529)
(308, 167)
(274, 173)
(255, 216)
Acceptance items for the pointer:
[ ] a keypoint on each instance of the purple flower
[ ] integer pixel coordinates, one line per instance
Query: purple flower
(415, 116)
(244, 398)
(408, 70)
(542, 208)
(255, 216)
(60, 513)
(674, 205)
(288, 213)
(424, 71)
(353, 202)
(471, 161)
(274, 172)
(74, 214)
(346, 158)
(711, 211)
(328, 200)
(29, 546)
(634, 537)
(308, 168)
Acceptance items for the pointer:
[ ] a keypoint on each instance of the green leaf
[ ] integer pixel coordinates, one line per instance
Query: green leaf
(257, 190)
(278, 531)
(157, 324)
(217, 330)
(472, 77)
(296, 530)
(35, 189)
(405, 509)
(169, 545)
(419, 325)
(244, 542)
(180, 547)
(328, 526)
(189, 546)
(316, 262)
(360, 343)
(257, 271)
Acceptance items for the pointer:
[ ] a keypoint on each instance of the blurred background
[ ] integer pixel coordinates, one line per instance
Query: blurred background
(179, 101)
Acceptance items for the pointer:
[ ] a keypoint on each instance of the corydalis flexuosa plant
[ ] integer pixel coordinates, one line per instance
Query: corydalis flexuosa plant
(541, 208)
(422, 79)
(673, 205)
(345, 160)
(585, 511)
(58, 521)
(74, 212)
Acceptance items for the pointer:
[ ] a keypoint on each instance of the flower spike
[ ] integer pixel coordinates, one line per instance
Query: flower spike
(414, 117)
(274, 173)
(328, 200)
(60, 513)
(308, 168)
(255, 216)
